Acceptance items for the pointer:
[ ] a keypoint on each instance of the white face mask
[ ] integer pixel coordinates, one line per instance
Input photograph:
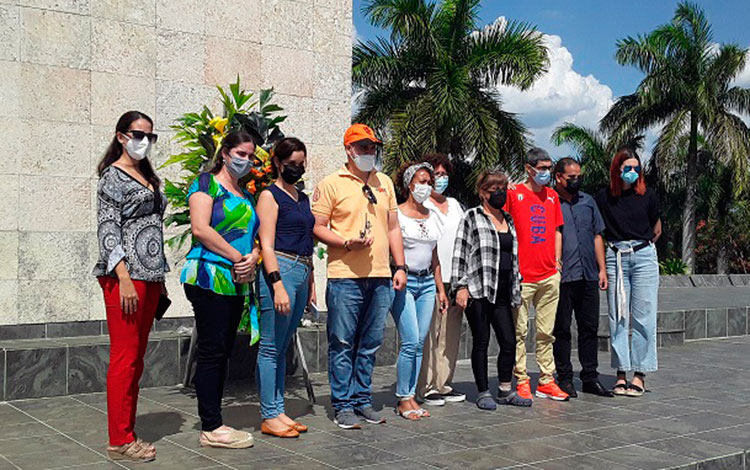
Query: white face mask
(421, 192)
(138, 149)
(365, 162)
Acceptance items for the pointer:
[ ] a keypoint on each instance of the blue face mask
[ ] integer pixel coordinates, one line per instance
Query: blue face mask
(543, 177)
(441, 184)
(629, 177)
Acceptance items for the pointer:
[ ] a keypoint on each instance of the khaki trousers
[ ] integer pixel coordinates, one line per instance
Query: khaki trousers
(440, 352)
(543, 296)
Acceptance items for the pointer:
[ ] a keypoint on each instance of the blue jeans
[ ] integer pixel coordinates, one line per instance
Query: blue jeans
(641, 278)
(276, 332)
(357, 309)
(412, 312)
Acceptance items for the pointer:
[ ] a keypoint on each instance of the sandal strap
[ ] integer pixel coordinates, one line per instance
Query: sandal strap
(636, 388)
(135, 450)
(622, 386)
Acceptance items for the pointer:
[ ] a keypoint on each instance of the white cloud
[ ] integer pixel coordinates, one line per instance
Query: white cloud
(561, 95)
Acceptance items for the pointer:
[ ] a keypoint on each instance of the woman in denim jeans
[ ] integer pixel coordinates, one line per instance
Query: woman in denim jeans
(413, 306)
(286, 238)
(631, 215)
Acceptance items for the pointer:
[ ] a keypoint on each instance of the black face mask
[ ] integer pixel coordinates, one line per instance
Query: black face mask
(291, 174)
(497, 199)
(573, 185)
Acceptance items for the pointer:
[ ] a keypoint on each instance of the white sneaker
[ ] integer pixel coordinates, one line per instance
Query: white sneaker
(454, 397)
(434, 399)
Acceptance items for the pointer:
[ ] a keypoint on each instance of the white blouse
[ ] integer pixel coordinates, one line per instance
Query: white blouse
(420, 239)
(450, 223)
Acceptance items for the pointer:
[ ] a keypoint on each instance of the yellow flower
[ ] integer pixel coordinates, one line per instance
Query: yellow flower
(219, 123)
(262, 155)
(218, 138)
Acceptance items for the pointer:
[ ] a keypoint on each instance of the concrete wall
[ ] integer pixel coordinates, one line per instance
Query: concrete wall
(69, 68)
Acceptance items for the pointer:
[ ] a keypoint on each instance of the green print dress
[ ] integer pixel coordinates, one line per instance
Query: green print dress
(235, 219)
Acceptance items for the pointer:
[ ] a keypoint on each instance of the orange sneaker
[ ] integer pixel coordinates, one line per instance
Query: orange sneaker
(523, 389)
(552, 391)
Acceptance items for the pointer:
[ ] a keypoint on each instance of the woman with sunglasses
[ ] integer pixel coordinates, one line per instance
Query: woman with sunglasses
(413, 306)
(130, 271)
(631, 216)
(284, 289)
(217, 277)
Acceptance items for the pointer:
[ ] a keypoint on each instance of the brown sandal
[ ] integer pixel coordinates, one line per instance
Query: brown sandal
(136, 451)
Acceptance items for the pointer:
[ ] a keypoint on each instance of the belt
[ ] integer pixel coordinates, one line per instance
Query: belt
(421, 273)
(620, 301)
(633, 249)
(306, 260)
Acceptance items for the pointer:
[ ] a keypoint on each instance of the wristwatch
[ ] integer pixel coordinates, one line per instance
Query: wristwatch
(401, 267)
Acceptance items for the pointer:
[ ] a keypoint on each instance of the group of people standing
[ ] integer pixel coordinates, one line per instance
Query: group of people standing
(427, 261)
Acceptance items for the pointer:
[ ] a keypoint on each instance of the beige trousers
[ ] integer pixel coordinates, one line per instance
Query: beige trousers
(440, 352)
(543, 296)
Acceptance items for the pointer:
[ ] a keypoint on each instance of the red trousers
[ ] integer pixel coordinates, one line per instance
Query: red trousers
(128, 336)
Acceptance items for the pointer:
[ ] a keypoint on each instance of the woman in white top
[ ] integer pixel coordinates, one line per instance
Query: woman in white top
(441, 346)
(413, 306)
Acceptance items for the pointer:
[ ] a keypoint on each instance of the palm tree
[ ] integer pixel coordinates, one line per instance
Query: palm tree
(687, 89)
(431, 85)
(592, 148)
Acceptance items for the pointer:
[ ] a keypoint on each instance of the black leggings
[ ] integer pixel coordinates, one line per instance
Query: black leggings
(480, 315)
(216, 320)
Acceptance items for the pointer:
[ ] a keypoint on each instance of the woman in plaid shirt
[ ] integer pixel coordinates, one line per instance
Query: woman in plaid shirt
(487, 283)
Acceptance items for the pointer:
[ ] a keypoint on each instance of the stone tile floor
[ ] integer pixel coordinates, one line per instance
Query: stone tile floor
(698, 411)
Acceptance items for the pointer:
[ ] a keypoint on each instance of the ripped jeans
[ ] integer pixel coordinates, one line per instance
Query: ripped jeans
(357, 310)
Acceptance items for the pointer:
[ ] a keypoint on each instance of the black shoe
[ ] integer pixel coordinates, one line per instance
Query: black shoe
(597, 388)
(568, 388)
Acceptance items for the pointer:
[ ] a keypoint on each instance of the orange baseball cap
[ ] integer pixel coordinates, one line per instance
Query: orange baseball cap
(357, 132)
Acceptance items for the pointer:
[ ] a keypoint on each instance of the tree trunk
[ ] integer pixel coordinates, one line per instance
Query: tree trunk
(722, 260)
(691, 194)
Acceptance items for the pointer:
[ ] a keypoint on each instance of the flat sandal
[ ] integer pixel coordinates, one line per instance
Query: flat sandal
(133, 452)
(621, 390)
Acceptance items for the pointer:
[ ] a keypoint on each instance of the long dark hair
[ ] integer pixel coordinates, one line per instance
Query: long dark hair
(284, 149)
(233, 139)
(114, 151)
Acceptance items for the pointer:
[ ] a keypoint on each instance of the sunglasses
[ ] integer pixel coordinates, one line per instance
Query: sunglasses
(367, 190)
(629, 168)
(140, 135)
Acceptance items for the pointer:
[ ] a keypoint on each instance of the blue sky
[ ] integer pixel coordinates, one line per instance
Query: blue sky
(584, 78)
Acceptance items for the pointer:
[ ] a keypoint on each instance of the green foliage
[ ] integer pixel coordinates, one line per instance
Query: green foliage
(687, 91)
(673, 267)
(200, 135)
(428, 86)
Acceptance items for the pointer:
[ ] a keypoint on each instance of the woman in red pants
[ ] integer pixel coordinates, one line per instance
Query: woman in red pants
(130, 270)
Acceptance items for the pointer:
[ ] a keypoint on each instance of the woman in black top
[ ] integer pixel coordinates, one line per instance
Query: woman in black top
(285, 288)
(487, 283)
(130, 270)
(631, 215)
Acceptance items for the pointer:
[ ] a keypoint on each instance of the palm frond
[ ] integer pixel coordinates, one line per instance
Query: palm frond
(738, 100)
(508, 53)
(408, 20)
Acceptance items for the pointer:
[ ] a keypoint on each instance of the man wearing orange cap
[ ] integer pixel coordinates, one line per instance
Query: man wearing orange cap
(356, 216)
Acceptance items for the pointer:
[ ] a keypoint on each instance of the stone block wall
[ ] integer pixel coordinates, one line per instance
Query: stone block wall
(70, 68)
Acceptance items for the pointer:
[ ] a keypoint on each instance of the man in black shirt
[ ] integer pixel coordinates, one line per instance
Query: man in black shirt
(584, 272)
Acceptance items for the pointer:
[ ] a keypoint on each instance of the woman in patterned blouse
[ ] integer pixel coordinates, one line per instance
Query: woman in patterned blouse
(487, 282)
(217, 277)
(130, 270)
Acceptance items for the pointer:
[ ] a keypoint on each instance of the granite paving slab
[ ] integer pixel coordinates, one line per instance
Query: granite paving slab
(684, 423)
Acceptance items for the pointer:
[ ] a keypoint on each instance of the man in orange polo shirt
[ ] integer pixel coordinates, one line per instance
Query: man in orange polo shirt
(356, 216)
